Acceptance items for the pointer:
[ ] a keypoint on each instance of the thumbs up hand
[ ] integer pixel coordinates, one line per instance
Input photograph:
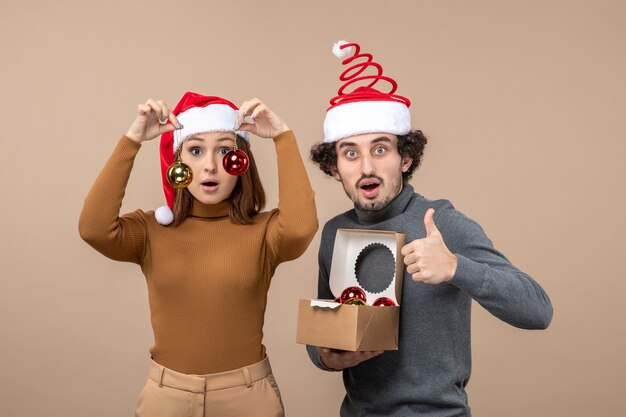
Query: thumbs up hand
(428, 259)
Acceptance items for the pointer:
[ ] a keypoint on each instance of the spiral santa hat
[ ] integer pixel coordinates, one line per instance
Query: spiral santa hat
(365, 109)
(198, 114)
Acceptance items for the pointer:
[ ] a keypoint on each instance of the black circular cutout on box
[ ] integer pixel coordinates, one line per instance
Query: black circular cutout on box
(375, 267)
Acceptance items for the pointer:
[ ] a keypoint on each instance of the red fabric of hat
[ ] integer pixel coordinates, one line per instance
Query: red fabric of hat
(364, 109)
(198, 114)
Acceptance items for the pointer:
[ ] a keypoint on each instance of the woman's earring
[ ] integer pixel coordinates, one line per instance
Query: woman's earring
(179, 174)
(236, 161)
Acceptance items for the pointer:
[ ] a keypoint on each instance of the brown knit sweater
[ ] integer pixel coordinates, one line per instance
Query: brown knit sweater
(207, 278)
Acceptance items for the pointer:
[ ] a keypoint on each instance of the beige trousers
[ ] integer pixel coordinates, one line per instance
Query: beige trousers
(248, 391)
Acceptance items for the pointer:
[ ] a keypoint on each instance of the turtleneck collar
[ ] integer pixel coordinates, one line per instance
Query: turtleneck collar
(397, 206)
(210, 211)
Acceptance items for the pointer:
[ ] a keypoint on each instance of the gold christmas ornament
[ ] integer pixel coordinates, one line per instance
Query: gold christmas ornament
(179, 174)
(355, 302)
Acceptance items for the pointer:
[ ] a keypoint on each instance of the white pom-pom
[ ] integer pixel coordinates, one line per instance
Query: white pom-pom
(342, 53)
(164, 215)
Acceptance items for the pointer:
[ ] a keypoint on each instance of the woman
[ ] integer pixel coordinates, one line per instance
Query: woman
(209, 260)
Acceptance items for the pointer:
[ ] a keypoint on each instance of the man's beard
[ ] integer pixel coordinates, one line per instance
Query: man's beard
(369, 206)
(373, 205)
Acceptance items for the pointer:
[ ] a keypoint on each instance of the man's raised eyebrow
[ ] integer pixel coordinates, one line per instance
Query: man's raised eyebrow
(377, 140)
(382, 139)
(346, 144)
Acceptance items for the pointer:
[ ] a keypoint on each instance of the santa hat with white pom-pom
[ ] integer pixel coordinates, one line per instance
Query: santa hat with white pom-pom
(364, 109)
(198, 114)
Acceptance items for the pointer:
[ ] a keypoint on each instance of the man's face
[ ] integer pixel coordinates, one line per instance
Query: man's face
(370, 169)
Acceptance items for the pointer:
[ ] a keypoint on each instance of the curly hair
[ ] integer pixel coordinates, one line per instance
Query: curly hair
(412, 145)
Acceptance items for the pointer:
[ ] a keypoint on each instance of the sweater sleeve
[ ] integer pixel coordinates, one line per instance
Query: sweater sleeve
(323, 289)
(119, 238)
(294, 224)
(488, 276)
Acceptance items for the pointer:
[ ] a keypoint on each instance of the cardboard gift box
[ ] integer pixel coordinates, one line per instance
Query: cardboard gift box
(371, 260)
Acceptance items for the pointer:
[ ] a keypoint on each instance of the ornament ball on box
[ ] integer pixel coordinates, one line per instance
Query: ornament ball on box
(355, 302)
(384, 302)
(351, 293)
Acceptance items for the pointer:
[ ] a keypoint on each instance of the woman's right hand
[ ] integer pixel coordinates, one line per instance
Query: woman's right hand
(151, 121)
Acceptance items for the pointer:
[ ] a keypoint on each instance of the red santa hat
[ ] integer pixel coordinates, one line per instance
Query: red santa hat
(365, 109)
(198, 114)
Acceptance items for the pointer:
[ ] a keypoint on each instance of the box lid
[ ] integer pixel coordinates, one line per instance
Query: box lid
(368, 259)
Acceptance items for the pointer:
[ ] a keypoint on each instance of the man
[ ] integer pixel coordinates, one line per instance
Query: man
(370, 148)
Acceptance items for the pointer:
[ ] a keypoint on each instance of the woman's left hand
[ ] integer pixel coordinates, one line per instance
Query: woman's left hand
(256, 117)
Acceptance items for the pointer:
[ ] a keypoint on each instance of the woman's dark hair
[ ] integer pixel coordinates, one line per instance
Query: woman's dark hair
(412, 145)
(246, 200)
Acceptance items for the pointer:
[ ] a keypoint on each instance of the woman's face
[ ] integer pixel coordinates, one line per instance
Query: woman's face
(203, 153)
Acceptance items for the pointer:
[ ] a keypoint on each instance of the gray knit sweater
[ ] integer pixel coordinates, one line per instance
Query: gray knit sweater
(428, 373)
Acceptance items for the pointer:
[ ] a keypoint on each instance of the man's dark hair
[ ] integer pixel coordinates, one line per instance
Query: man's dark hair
(412, 145)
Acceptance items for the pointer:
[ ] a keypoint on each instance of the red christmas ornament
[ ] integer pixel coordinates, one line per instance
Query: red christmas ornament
(352, 292)
(236, 162)
(384, 302)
